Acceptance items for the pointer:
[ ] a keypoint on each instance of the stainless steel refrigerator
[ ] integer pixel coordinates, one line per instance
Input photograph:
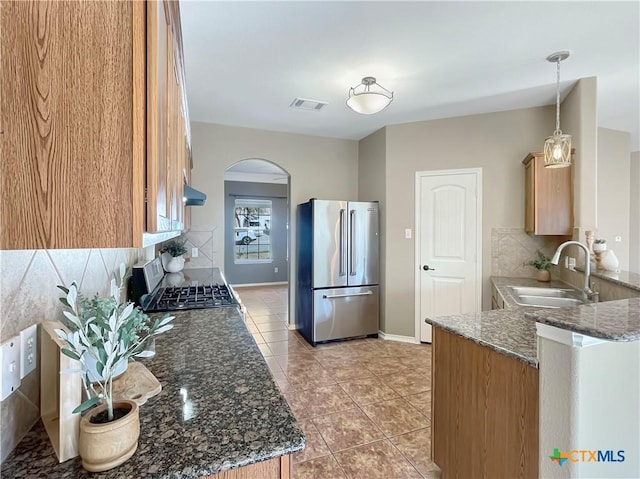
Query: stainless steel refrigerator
(338, 266)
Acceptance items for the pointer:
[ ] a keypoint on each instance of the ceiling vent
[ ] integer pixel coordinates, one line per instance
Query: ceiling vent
(305, 104)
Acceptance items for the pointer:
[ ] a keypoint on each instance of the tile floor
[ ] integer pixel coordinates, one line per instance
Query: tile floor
(364, 405)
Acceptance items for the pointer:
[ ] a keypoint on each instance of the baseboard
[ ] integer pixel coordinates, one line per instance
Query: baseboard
(396, 337)
(248, 285)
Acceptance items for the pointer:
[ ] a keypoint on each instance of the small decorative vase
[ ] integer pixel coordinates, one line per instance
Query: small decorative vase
(172, 264)
(104, 446)
(543, 275)
(609, 261)
(599, 247)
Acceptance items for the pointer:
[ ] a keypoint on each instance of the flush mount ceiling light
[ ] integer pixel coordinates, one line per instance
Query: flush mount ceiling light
(369, 97)
(557, 147)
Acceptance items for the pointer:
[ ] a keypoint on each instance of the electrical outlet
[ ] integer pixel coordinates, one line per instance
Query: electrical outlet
(275, 270)
(10, 377)
(407, 233)
(28, 350)
(571, 263)
(194, 252)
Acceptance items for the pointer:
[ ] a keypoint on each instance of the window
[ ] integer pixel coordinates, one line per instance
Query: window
(252, 231)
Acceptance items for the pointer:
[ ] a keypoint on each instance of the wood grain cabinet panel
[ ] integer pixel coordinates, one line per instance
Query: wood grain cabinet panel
(484, 411)
(275, 468)
(74, 117)
(548, 197)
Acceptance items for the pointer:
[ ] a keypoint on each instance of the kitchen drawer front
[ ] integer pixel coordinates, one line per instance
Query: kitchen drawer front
(345, 313)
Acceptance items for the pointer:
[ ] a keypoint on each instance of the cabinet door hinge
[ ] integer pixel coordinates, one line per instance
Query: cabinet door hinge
(146, 198)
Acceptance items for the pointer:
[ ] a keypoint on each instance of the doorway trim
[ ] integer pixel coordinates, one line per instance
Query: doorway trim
(416, 253)
(290, 295)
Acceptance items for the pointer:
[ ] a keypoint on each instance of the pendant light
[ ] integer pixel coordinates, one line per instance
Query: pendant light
(557, 147)
(369, 99)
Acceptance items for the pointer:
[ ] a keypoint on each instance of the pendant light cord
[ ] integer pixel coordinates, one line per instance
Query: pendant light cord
(558, 132)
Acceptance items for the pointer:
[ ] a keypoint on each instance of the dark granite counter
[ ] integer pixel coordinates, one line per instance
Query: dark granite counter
(611, 320)
(219, 409)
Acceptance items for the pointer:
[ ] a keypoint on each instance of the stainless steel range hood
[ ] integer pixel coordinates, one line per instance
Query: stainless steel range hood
(193, 197)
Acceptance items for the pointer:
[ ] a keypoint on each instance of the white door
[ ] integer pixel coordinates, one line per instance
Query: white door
(448, 245)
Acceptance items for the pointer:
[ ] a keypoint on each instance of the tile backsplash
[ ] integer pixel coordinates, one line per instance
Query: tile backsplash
(205, 241)
(28, 295)
(512, 248)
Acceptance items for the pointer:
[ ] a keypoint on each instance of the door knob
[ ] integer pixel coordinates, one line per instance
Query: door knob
(426, 268)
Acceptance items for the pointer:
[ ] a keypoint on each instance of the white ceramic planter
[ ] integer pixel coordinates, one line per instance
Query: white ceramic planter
(172, 264)
(598, 247)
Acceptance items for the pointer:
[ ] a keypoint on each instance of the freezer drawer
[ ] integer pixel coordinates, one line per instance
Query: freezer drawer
(345, 312)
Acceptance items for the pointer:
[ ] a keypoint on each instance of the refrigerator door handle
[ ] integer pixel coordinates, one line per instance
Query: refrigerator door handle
(343, 241)
(331, 296)
(352, 253)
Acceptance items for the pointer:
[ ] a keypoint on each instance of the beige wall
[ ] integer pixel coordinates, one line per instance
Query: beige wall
(372, 184)
(319, 167)
(614, 192)
(578, 118)
(28, 295)
(495, 142)
(634, 213)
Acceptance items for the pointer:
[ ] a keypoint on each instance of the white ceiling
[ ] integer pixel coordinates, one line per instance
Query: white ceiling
(247, 61)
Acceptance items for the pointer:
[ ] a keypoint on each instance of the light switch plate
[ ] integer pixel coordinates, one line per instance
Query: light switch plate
(194, 252)
(10, 377)
(28, 350)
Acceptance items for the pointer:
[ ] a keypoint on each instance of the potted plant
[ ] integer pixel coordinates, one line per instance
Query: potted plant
(543, 265)
(100, 333)
(172, 256)
(599, 245)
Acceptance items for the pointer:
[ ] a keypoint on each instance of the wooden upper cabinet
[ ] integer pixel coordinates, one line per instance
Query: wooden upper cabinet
(158, 186)
(84, 124)
(166, 119)
(548, 197)
(69, 143)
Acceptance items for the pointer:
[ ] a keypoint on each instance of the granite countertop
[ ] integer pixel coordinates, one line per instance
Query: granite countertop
(623, 278)
(507, 331)
(219, 409)
(610, 320)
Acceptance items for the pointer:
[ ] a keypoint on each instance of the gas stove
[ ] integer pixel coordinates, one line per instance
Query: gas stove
(191, 297)
(155, 291)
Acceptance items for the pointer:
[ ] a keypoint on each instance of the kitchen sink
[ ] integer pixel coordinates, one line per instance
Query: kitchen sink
(546, 297)
(547, 292)
(548, 302)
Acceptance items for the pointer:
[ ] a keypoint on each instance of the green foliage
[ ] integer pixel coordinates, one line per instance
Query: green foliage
(600, 241)
(175, 248)
(542, 262)
(107, 332)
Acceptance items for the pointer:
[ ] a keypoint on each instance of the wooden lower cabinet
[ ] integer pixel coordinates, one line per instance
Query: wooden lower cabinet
(276, 468)
(485, 411)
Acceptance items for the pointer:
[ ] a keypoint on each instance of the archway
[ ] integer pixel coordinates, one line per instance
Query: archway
(257, 245)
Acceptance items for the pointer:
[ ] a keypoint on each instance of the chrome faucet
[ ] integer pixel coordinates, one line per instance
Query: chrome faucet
(587, 293)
